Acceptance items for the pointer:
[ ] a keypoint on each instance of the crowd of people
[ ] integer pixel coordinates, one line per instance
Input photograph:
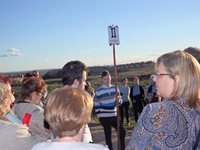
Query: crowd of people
(167, 114)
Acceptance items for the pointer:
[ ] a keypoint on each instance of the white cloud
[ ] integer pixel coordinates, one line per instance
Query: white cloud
(13, 50)
(16, 54)
(4, 55)
(85, 52)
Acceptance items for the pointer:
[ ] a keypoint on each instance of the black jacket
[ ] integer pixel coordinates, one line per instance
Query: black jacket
(140, 97)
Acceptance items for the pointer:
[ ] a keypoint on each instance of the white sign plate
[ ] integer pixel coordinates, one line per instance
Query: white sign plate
(113, 35)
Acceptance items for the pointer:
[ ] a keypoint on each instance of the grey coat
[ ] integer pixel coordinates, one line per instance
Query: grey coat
(36, 125)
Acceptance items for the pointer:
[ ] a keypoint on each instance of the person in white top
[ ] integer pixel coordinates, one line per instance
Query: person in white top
(68, 110)
(125, 92)
(74, 73)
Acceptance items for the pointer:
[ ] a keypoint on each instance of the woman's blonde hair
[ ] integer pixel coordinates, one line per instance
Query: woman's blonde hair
(5, 98)
(67, 110)
(188, 69)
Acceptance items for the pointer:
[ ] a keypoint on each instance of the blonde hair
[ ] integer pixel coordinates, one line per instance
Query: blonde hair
(5, 98)
(188, 69)
(67, 110)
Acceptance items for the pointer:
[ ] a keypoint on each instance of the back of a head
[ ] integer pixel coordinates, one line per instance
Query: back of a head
(124, 79)
(36, 73)
(27, 76)
(30, 85)
(194, 51)
(73, 70)
(151, 77)
(1, 77)
(188, 69)
(5, 79)
(6, 97)
(67, 110)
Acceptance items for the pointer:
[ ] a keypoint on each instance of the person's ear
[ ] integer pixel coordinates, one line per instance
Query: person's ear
(75, 83)
(177, 80)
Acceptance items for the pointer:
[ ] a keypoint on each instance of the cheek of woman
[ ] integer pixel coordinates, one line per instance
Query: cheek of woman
(166, 89)
(7, 107)
(36, 98)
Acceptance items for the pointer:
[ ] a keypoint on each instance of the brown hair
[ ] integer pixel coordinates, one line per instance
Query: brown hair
(124, 79)
(5, 79)
(105, 73)
(30, 85)
(136, 78)
(188, 69)
(67, 110)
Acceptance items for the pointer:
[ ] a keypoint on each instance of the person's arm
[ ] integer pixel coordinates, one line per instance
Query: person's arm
(147, 89)
(22, 139)
(37, 121)
(97, 100)
(129, 92)
(120, 101)
(142, 92)
(87, 137)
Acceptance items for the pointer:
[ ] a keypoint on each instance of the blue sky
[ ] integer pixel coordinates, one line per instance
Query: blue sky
(43, 34)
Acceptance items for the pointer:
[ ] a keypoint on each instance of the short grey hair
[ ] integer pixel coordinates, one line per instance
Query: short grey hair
(152, 76)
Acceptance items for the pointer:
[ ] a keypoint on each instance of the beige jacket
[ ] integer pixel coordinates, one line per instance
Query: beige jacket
(36, 125)
(14, 136)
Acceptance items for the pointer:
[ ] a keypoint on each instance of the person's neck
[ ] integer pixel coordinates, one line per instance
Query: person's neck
(77, 138)
(106, 85)
(28, 100)
(68, 139)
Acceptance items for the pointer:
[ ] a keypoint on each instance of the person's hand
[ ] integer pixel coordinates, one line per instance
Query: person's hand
(46, 130)
(117, 99)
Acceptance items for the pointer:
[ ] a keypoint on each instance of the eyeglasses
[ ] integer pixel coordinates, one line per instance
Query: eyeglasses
(163, 74)
(40, 92)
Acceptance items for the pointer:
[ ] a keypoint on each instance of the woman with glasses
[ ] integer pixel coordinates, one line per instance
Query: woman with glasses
(175, 122)
(31, 92)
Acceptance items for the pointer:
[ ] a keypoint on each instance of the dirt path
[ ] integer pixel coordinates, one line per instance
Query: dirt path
(98, 135)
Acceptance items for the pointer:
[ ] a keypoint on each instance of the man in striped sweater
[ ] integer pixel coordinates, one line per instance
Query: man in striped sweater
(106, 110)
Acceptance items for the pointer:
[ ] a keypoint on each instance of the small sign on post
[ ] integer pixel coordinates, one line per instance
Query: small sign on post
(113, 35)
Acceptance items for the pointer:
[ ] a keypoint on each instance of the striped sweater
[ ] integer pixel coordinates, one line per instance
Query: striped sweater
(105, 105)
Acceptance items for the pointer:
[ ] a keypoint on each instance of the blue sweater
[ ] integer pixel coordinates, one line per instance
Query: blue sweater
(105, 105)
